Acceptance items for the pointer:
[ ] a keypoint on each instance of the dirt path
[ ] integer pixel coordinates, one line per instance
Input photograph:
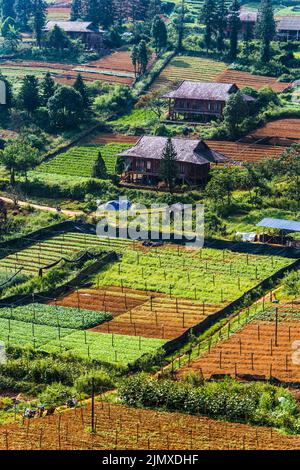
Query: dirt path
(66, 212)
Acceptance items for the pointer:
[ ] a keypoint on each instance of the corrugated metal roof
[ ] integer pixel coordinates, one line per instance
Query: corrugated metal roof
(291, 23)
(281, 224)
(202, 91)
(187, 150)
(72, 26)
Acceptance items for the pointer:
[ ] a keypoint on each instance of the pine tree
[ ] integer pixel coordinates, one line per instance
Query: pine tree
(208, 16)
(106, 13)
(168, 165)
(23, 9)
(265, 29)
(29, 93)
(135, 58)
(93, 12)
(75, 10)
(180, 25)
(234, 25)
(220, 23)
(39, 20)
(80, 86)
(48, 88)
(7, 9)
(99, 169)
(143, 56)
(159, 33)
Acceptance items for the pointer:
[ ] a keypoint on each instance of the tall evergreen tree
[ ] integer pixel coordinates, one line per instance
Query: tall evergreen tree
(135, 58)
(220, 23)
(93, 12)
(75, 10)
(99, 168)
(180, 25)
(168, 165)
(29, 93)
(208, 17)
(143, 56)
(159, 33)
(106, 13)
(23, 9)
(39, 20)
(80, 86)
(7, 9)
(234, 26)
(48, 88)
(265, 28)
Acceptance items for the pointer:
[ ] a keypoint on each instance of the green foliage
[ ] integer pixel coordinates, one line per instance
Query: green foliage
(55, 395)
(65, 108)
(291, 283)
(168, 165)
(114, 103)
(266, 28)
(254, 403)
(18, 158)
(102, 382)
(235, 111)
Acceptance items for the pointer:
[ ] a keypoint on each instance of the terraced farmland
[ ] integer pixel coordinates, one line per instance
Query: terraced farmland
(188, 68)
(260, 348)
(280, 129)
(108, 138)
(123, 428)
(246, 79)
(241, 152)
(79, 161)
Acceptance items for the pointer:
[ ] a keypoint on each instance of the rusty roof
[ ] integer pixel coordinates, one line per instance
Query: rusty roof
(198, 90)
(250, 16)
(187, 150)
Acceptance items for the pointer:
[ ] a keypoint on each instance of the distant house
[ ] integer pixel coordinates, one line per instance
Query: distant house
(194, 100)
(194, 158)
(248, 20)
(92, 37)
(288, 28)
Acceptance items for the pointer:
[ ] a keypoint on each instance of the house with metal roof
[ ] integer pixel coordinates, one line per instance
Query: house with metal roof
(282, 229)
(197, 99)
(91, 36)
(288, 28)
(194, 158)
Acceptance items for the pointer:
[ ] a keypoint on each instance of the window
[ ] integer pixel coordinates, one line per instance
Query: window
(148, 165)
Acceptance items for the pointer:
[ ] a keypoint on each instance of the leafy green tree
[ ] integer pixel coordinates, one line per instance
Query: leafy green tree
(18, 158)
(58, 39)
(159, 34)
(168, 165)
(221, 186)
(106, 13)
(99, 168)
(39, 20)
(80, 86)
(12, 38)
(48, 88)
(234, 26)
(93, 13)
(265, 29)
(29, 93)
(235, 111)
(208, 17)
(65, 108)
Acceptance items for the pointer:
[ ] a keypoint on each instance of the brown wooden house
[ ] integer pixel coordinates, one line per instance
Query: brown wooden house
(91, 36)
(288, 28)
(194, 157)
(248, 20)
(200, 100)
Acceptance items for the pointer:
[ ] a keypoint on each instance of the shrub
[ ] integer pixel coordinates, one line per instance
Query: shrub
(102, 382)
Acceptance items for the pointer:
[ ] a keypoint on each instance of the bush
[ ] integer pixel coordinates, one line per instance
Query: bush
(102, 382)
(56, 395)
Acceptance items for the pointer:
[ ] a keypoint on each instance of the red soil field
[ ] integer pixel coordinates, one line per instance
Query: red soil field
(119, 427)
(253, 350)
(158, 317)
(119, 60)
(242, 152)
(243, 79)
(282, 128)
(102, 139)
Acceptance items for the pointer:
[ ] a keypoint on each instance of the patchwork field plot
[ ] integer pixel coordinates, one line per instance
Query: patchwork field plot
(57, 316)
(108, 348)
(241, 152)
(58, 13)
(120, 427)
(245, 79)
(113, 68)
(262, 348)
(79, 161)
(188, 68)
(104, 139)
(281, 128)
